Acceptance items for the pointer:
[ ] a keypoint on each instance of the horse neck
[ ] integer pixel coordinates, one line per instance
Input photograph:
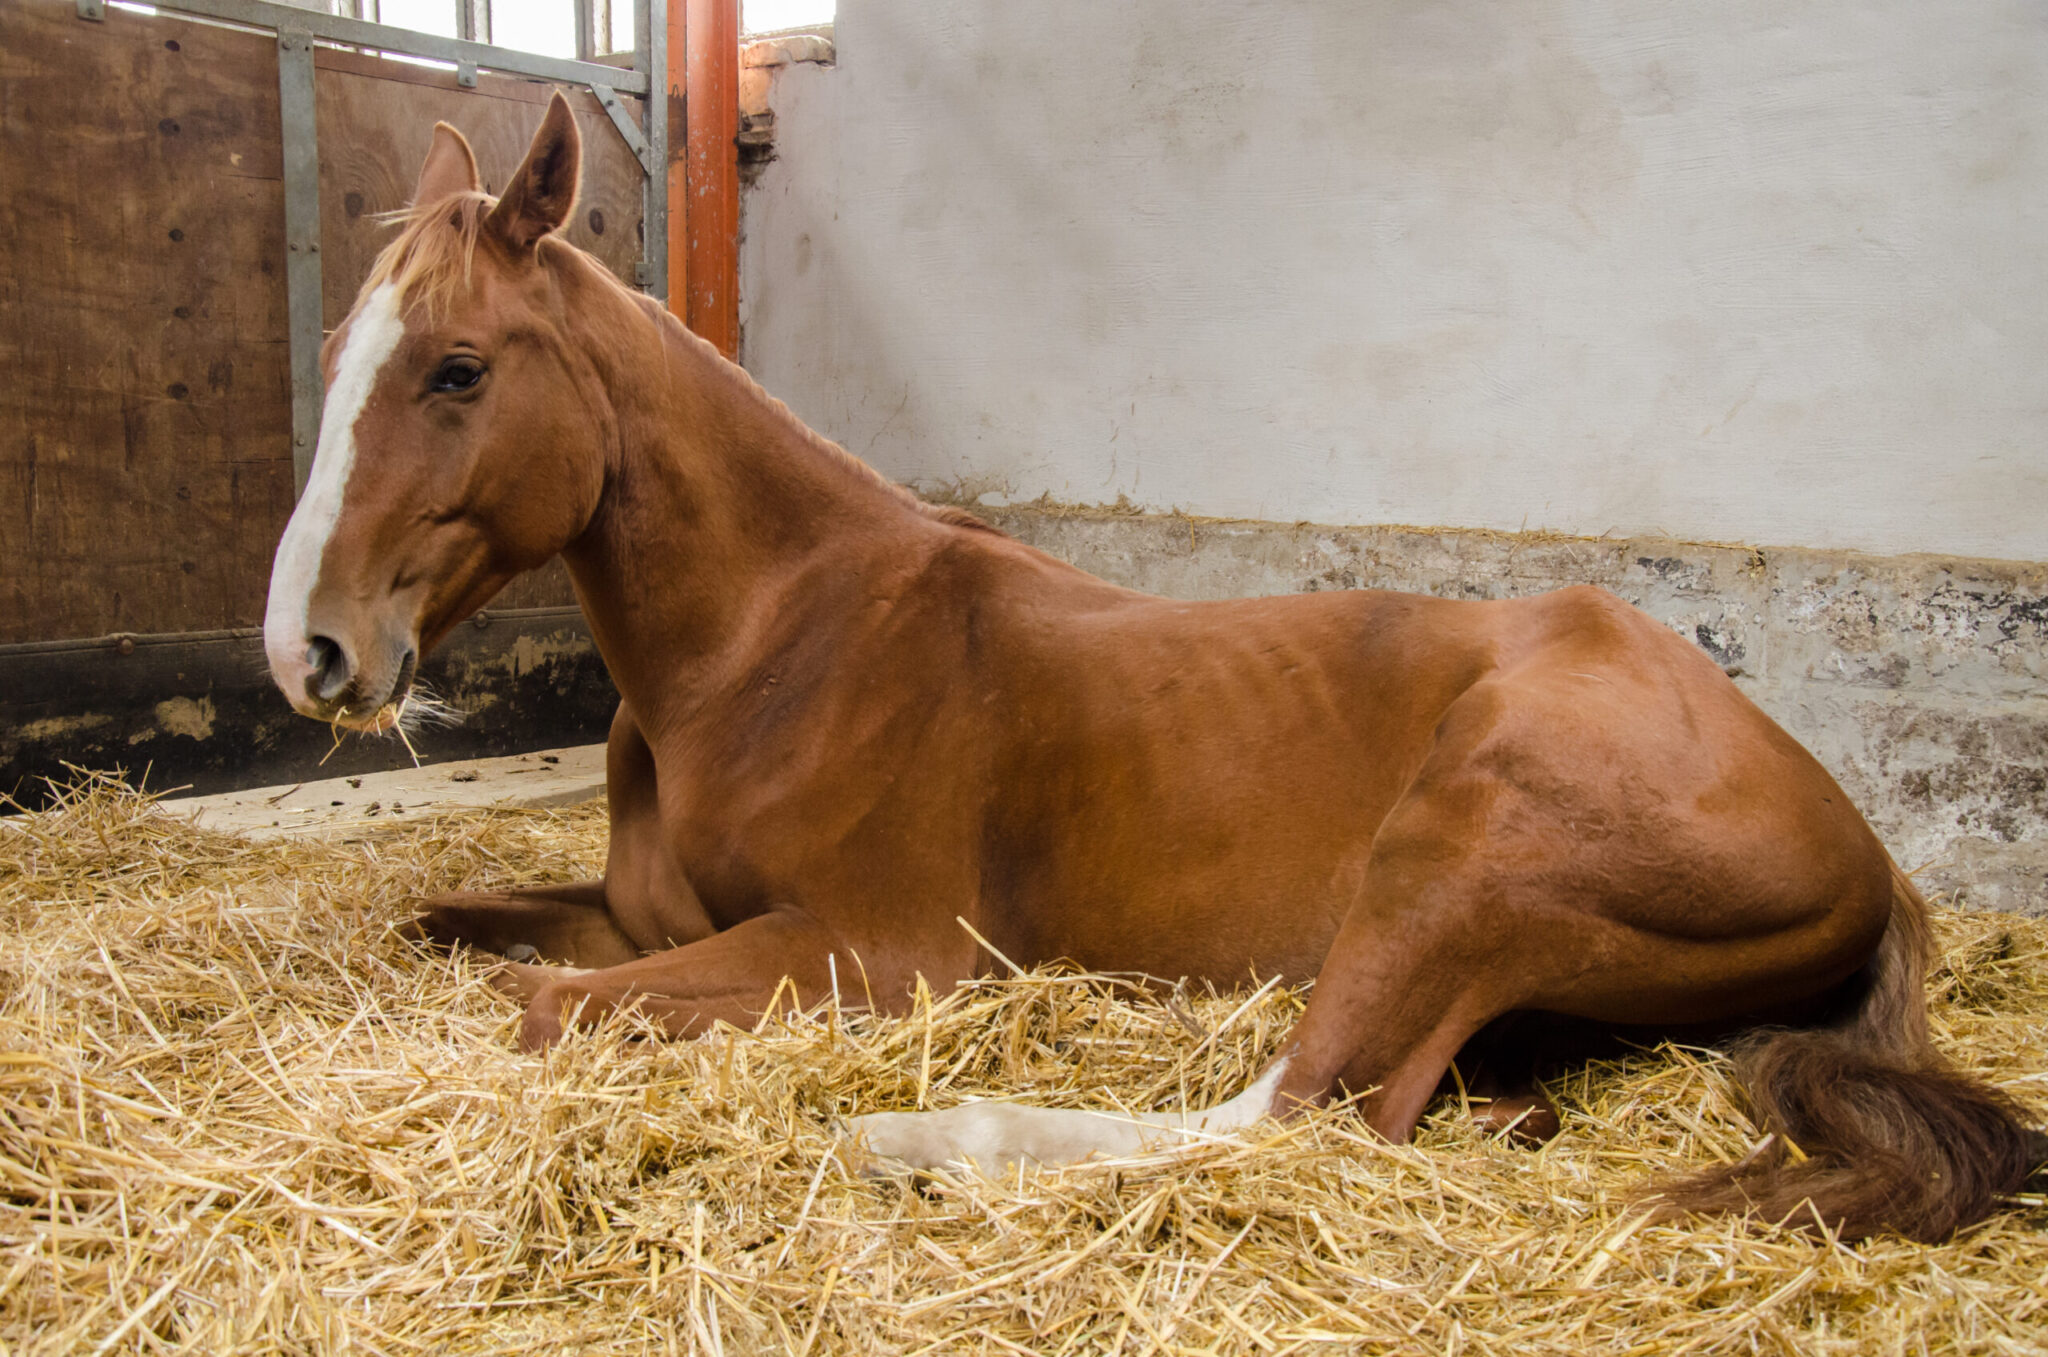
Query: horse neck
(716, 500)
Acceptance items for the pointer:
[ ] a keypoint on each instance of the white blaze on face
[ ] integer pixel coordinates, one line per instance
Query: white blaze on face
(372, 336)
(996, 1135)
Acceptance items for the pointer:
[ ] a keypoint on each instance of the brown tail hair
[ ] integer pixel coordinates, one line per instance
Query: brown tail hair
(1871, 1129)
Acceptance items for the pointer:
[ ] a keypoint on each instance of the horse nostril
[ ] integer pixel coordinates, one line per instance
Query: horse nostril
(330, 676)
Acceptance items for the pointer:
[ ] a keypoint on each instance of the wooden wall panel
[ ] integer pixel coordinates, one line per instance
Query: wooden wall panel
(145, 463)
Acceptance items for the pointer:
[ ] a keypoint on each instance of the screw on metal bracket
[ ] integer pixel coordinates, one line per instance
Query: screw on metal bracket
(643, 273)
(95, 10)
(465, 74)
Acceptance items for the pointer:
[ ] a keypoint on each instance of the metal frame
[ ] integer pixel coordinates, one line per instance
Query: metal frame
(338, 28)
(300, 30)
(301, 243)
(650, 59)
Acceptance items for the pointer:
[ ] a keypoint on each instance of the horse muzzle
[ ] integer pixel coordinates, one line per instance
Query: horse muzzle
(327, 679)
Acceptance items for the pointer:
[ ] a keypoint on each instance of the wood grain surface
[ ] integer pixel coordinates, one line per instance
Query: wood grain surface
(145, 461)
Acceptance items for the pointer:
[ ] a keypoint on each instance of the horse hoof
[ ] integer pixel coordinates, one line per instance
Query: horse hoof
(1529, 1122)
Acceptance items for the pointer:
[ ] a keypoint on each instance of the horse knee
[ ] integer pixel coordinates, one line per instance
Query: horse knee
(555, 1007)
(540, 1028)
(545, 1020)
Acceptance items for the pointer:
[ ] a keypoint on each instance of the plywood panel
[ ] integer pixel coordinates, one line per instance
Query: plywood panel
(145, 464)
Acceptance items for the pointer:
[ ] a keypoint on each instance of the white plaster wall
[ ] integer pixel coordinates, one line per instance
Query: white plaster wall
(1769, 271)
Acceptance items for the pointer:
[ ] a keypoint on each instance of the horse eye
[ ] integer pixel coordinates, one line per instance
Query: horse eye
(458, 374)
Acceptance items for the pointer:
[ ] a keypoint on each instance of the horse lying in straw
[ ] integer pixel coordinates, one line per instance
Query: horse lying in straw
(850, 718)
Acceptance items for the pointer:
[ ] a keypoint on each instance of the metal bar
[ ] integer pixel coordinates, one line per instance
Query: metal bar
(357, 33)
(586, 29)
(628, 129)
(299, 125)
(650, 18)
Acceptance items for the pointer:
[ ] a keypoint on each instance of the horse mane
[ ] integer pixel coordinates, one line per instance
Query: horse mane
(434, 253)
(433, 258)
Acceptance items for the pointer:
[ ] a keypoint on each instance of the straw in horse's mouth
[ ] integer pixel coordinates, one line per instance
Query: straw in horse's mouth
(388, 718)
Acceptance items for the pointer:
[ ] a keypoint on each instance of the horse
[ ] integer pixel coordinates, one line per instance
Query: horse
(850, 721)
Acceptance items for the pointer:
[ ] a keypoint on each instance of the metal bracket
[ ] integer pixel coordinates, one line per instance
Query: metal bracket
(465, 74)
(95, 10)
(608, 99)
(300, 129)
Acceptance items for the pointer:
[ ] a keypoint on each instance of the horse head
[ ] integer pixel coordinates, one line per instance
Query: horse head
(462, 440)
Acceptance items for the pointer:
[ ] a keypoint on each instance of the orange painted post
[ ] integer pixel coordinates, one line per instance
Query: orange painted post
(704, 187)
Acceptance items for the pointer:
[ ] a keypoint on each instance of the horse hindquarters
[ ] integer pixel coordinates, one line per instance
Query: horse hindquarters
(1568, 847)
(1473, 907)
(1891, 1136)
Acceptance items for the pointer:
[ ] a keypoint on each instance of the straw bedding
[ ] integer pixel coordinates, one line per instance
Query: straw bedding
(238, 1114)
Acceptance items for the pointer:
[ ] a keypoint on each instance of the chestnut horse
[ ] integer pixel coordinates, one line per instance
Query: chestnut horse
(850, 719)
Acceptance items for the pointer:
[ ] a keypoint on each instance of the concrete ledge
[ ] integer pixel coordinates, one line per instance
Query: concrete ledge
(337, 805)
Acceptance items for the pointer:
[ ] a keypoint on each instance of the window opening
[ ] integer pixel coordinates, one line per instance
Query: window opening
(770, 16)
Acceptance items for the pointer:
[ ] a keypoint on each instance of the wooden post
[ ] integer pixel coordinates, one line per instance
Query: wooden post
(704, 171)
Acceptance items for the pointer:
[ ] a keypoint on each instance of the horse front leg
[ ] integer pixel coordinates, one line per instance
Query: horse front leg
(579, 924)
(570, 922)
(784, 960)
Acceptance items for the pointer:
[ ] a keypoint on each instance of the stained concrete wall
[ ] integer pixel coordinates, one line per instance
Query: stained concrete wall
(1761, 273)
(1764, 271)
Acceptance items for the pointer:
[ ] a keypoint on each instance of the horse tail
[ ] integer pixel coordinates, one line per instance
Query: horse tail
(1870, 1127)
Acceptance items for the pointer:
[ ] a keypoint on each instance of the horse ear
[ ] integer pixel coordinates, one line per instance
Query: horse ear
(543, 190)
(450, 168)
